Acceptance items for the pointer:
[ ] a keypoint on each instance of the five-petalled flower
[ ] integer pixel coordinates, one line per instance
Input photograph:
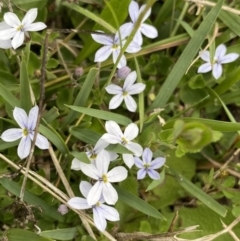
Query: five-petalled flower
(115, 136)
(18, 29)
(125, 92)
(101, 212)
(220, 57)
(113, 45)
(26, 132)
(146, 29)
(103, 186)
(147, 166)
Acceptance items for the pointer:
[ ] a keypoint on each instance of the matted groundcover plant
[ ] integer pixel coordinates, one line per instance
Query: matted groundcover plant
(119, 120)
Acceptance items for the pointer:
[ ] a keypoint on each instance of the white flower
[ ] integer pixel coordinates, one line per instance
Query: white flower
(113, 46)
(115, 136)
(18, 29)
(220, 57)
(125, 92)
(26, 132)
(5, 44)
(103, 186)
(147, 166)
(145, 29)
(92, 154)
(101, 212)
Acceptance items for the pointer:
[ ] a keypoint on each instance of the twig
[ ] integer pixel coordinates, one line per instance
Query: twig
(231, 233)
(232, 10)
(42, 93)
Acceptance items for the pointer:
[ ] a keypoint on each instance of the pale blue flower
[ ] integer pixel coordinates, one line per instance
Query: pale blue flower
(220, 57)
(26, 132)
(103, 186)
(18, 29)
(101, 212)
(147, 166)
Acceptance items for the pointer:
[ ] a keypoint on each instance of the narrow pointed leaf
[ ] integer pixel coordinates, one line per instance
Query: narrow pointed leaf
(60, 234)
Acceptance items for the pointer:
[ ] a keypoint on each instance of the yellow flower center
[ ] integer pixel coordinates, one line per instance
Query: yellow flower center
(124, 141)
(25, 132)
(115, 46)
(104, 178)
(125, 93)
(146, 166)
(20, 28)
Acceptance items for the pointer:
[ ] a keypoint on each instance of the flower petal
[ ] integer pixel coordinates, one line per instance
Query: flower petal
(205, 55)
(129, 81)
(35, 27)
(78, 203)
(12, 19)
(100, 145)
(90, 170)
(157, 163)
(112, 139)
(131, 131)
(32, 118)
(42, 142)
(147, 156)
(128, 160)
(116, 101)
(141, 174)
(76, 164)
(114, 89)
(103, 53)
(113, 156)
(204, 68)
(122, 62)
(113, 128)
(147, 13)
(136, 89)
(220, 51)
(95, 193)
(217, 71)
(99, 219)
(102, 39)
(228, 58)
(20, 117)
(30, 16)
(109, 213)
(18, 39)
(7, 34)
(133, 10)
(130, 103)
(5, 44)
(149, 31)
(138, 162)
(24, 147)
(133, 47)
(117, 174)
(137, 42)
(102, 162)
(125, 30)
(85, 187)
(12, 134)
(135, 148)
(153, 174)
(109, 193)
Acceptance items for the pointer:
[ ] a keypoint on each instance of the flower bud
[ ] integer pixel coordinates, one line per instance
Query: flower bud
(78, 72)
(123, 72)
(63, 209)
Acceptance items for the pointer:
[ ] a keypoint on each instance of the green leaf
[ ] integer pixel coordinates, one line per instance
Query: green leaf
(186, 58)
(30, 198)
(85, 135)
(82, 96)
(9, 97)
(25, 94)
(51, 115)
(155, 183)
(60, 234)
(54, 137)
(81, 156)
(118, 149)
(214, 124)
(15, 234)
(137, 203)
(231, 20)
(200, 194)
(101, 114)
